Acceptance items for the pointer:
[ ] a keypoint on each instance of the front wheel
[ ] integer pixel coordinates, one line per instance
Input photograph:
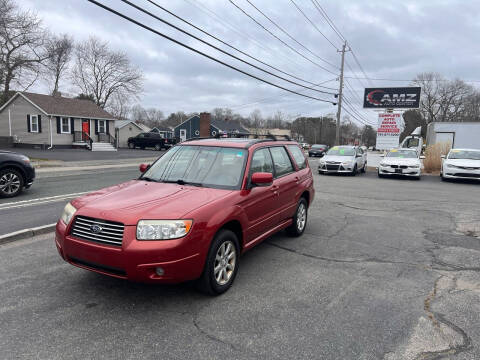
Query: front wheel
(11, 183)
(158, 147)
(221, 265)
(299, 219)
(354, 171)
(364, 169)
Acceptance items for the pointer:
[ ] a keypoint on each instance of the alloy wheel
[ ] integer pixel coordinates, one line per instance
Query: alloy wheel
(224, 263)
(301, 217)
(9, 183)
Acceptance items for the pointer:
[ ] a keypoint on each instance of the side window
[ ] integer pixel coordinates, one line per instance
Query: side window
(141, 135)
(261, 162)
(281, 161)
(298, 156)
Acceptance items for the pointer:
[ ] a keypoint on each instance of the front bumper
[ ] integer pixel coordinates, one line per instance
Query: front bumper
(335, 169)
(29, 175)
(134, 260)
(387, 170)
(458, 173)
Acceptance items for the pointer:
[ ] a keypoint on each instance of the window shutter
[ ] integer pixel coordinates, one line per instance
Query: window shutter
(72, 125)
(96, 127)
(58, 125)
(107, 126)
(39, 117)
(28, 124)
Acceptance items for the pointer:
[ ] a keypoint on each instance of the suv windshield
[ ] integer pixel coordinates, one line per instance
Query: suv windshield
(464, 154)
(340, 151)
(207, 166)
(407, 154)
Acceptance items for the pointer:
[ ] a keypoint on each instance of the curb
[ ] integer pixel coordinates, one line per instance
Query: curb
(26, 233)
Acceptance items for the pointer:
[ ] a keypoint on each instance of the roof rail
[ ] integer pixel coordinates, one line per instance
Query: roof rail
(273, 137)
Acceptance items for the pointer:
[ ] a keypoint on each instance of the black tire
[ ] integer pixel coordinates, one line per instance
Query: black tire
(380, 175)
(354, 171)
(364, 169)
(131, 145)
(208, 283)
(11, 183)
(443, 178)
(296, 229)
(158, 147)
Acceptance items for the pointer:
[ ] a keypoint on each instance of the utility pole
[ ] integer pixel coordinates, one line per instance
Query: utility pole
(340, 93)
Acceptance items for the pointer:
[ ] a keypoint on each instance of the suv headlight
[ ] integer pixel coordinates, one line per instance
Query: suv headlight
(162, 229)
(68, 213)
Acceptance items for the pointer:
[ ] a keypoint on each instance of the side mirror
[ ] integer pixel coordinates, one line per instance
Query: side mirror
(443, 156)
(143, 167)
(262, 178)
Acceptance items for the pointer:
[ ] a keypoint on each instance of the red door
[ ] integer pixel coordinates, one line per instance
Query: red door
(85, 129)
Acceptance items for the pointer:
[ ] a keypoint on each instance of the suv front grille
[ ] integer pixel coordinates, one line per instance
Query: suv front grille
(102, 231)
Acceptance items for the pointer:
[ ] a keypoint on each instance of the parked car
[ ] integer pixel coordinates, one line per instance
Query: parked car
(167, 226)
(405, 162)
(150, 139)
(343, 159)
(16, 173)
(461, 164)
(317, 150)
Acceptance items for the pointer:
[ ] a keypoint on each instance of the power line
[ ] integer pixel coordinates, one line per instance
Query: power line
(313, 24)
(221, 50)
(359, 65)
(354, 74)
(283, 42)
(291, 37)
(329, 21)
(360, 116)
(271, 97)
(411, 80)
(201, 53)
(229, 45)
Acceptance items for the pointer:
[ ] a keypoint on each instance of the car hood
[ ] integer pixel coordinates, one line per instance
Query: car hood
(134, 200)
(338, 158)
(463, 162)
(401, 161)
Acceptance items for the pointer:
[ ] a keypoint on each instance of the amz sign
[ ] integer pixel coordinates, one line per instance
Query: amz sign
(395, 98)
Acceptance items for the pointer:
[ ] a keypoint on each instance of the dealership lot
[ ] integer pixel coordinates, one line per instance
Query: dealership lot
(387, 269)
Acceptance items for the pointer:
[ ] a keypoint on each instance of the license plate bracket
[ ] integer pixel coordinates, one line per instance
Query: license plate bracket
(398, 171)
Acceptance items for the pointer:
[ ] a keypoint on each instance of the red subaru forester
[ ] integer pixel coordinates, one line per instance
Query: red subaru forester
(191, 213)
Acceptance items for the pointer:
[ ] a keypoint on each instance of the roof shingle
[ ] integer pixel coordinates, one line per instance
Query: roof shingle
(56, 105)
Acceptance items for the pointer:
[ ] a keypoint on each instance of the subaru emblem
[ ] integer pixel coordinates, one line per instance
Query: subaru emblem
(96, 228)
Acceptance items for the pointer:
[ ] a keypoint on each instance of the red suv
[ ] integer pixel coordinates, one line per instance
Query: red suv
(191, 213)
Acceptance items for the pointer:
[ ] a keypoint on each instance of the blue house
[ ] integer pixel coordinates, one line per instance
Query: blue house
(164, 131)
(202, 126)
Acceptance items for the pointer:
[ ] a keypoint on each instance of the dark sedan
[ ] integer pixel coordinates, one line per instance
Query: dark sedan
(317, 150)
(16, 173)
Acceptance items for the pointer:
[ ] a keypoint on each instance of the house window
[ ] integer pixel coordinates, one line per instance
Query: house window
(101, 126)
(34, 123)
(65, 129)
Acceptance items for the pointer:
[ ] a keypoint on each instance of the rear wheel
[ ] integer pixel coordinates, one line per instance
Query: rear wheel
(299, 219)
(11, 183)
(364, 169)
(221, 265)
(158, 147)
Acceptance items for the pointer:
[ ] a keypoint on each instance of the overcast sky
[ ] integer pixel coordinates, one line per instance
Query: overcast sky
(391, 38)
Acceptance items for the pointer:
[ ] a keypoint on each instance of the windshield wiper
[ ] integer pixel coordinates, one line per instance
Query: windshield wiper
(146, 178)
(182, 182)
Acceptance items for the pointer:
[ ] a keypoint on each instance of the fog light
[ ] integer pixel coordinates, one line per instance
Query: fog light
(159, 271)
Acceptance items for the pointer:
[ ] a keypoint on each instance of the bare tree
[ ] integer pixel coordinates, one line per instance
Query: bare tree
(22, 48)
(104, 73)
(151, 117)
(60, 50)
(256, 120)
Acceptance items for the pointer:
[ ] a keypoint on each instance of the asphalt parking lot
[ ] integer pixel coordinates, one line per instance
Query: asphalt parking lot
(387, 269)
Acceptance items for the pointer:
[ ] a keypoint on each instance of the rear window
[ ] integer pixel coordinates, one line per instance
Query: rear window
(298, 156)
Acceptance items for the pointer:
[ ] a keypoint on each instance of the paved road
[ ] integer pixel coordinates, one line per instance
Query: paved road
(387, 269)
(43, 203)
(70, 155)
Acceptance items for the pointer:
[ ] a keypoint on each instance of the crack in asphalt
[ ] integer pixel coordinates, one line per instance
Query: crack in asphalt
(438, 318)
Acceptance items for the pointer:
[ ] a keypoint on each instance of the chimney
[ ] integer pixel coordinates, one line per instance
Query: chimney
(204, 124)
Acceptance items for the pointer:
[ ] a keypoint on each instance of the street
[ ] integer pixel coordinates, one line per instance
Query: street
(43, 203)
(387, 269)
